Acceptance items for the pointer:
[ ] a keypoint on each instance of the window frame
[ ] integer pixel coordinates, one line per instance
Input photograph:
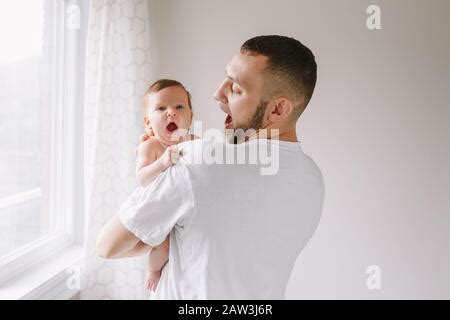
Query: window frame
(66, 202)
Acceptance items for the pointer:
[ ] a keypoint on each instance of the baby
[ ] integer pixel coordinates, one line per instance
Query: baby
(167, 118)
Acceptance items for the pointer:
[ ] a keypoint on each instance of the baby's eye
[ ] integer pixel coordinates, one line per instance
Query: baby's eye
(180, 106)
(161, 108)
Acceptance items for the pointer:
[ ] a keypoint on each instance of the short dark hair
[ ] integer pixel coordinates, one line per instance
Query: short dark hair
(291, 63)
(162, 84)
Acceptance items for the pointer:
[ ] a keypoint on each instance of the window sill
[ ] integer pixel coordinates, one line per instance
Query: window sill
(45, 281)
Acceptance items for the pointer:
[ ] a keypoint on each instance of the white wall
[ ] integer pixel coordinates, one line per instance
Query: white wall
(376, 127)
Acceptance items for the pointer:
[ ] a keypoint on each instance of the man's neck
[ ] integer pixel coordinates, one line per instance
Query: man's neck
(287, 134)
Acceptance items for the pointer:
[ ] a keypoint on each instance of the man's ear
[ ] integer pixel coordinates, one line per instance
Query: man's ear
(279, 109)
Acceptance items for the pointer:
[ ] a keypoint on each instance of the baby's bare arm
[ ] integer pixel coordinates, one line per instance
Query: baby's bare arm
(147, 165)
(158, 256)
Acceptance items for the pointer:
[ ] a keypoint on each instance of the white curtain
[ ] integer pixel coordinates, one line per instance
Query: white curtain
(117, 73)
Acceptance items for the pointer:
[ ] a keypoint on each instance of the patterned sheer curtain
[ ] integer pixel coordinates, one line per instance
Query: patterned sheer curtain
(118, 71)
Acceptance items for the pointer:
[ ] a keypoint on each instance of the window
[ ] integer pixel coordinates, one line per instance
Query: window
(36, 137)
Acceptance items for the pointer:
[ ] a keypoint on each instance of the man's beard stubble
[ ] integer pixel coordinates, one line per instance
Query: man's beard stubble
(254, 123)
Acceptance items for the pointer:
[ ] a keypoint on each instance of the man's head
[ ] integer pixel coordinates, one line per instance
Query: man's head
(268, 84)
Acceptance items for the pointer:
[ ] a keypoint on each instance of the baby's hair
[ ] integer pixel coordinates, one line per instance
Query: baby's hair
(162, 84)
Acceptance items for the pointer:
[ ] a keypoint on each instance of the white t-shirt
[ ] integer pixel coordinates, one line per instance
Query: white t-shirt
(235, 233)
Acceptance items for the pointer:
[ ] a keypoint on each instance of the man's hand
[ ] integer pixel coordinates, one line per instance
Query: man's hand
(149, 133)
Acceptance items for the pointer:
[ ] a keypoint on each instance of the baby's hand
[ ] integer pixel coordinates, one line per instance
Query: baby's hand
(152, 279)
(170, 156)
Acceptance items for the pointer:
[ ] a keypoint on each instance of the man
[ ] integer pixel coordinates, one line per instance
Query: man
(234, 232)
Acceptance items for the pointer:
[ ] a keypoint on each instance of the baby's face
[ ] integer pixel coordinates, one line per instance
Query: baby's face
(168, 111)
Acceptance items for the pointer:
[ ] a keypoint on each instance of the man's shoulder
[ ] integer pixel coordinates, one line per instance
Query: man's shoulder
(197, 146)
(189, 143)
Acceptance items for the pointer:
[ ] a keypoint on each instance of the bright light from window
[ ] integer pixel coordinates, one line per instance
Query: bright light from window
(20, 29)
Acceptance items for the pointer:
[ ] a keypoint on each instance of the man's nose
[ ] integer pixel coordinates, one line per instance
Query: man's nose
(219, 94)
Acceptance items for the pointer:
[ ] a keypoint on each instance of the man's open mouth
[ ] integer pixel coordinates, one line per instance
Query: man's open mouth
(229, 118)
(228, 122)
(172, 126)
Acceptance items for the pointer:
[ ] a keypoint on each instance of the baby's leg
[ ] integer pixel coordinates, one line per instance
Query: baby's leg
(158, 257)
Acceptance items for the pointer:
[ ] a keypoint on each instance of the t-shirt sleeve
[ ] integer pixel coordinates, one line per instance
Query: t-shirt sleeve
(155, 210)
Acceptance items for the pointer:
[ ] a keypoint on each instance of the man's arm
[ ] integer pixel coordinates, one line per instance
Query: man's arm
(115, 241)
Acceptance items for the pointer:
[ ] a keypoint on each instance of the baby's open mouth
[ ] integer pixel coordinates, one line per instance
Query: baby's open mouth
(172, 126)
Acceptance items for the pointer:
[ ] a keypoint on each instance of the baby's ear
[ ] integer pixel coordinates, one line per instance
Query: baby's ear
(146, 121)
(149, 131)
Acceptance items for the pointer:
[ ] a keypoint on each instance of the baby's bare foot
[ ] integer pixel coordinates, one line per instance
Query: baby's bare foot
(152, 279)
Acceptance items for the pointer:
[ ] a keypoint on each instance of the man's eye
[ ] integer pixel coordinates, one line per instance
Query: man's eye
(234, 89)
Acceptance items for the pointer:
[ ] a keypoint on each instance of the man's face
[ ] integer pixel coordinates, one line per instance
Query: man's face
(240, 94)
